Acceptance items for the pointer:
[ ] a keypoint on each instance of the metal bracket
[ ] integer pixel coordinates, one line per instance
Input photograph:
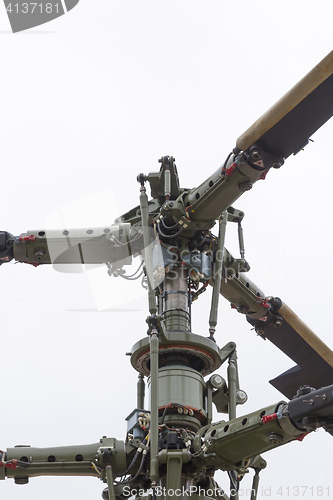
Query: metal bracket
(174, 460)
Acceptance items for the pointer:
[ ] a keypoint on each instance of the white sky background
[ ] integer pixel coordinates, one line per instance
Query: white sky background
(90, 100)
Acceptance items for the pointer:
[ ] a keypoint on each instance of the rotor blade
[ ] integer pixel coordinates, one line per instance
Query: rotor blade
(293, 337)
(286, 127)
(275, 321)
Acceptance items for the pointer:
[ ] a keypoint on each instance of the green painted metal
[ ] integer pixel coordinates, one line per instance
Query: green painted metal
(176, 299)
(182, 385)
(218, 271)
(255, 485)
(232, 386)
(204, 353)
(182, 445)
(140, 403)
(147, 250)
(109, 478)
(81, 460)
(244, 438)
(154, 399)
(174, 459)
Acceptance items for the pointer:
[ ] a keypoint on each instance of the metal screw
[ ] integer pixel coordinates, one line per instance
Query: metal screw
(256, 154)
(241, 397)
(216, 381)
(275, 438)
(245, 186)
(277, 162)
(242, 309)
(260, 331)
(39, 255)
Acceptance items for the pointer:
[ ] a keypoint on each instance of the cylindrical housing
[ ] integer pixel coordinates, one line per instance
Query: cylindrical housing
(167, 183)
(176, 300)
(184, 386)
(140, 392)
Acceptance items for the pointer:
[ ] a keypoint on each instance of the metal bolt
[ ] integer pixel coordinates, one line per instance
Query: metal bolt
(216, 381)
(275, 438)
(241, 397)
(256, 154)
(260, 330)
(277, 162)
(168, 205)
(304, 389)
(245, 186)
(39, 255)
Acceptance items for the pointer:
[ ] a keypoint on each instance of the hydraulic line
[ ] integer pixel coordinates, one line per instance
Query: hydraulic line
(131, 479)
(169, 227)
(168, 236)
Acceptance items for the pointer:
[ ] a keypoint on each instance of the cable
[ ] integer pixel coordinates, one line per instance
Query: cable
(168, 236)
(226, 161)
(134, 459)
(128, 481)
(233, 480)
(179, 407)
(137, 453)
(12, 464)
(113, 238)
(203, 239)
(129, 278)
(99, 472)
(164, 412)
(169, 227)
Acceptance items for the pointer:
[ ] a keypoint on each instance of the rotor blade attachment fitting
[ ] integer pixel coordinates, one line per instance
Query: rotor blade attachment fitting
(6, 247)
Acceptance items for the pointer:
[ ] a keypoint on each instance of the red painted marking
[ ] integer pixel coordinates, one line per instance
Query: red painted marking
(269, 418)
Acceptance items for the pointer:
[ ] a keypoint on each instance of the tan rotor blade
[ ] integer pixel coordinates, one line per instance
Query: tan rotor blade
(288, 102)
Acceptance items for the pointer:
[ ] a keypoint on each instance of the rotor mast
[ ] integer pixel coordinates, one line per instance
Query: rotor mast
(178, 359)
